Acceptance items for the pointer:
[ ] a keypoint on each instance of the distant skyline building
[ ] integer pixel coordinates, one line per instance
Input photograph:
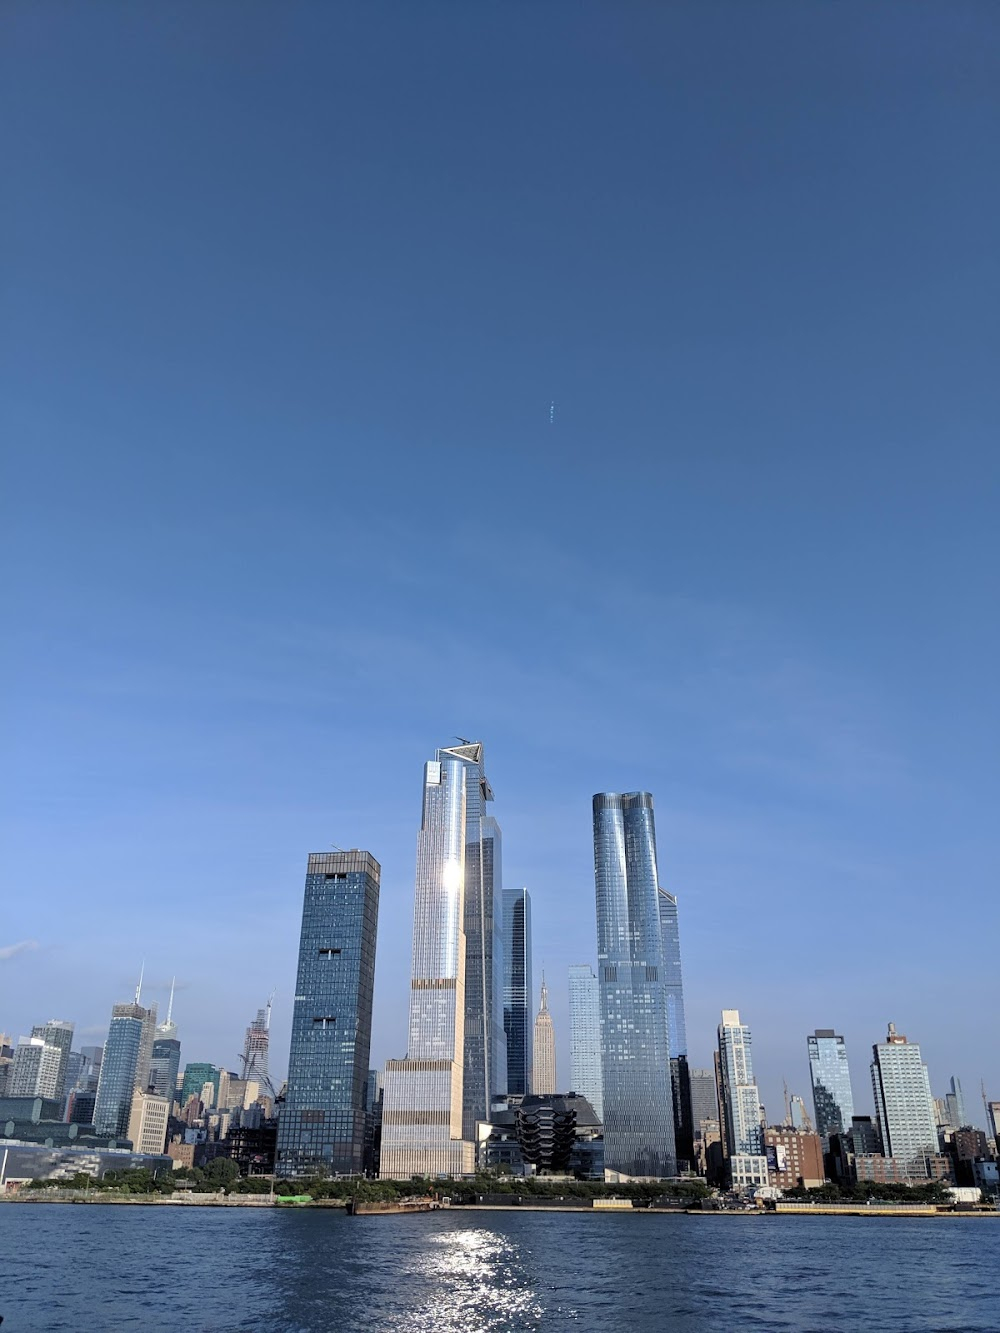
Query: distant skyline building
(673, 983)
(57, 1032)
(739, 1096)
(543, 1076)
(166, 1057)
(955, 1102)
(199, 1074)
(833, 1098)
(256, 1047)
(903, 1101)
(125, 1065)
(34, 1071)
(635, 1055)
(147, 1126)
(322, 1122)
(518, 991)
(585, 1036)
(426, 1109)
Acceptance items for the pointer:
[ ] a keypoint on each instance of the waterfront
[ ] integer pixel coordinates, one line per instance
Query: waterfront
(321, 1272)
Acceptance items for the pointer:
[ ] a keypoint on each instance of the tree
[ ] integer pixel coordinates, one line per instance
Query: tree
(220, 1172)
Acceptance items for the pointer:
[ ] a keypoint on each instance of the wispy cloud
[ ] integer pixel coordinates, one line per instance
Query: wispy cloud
(12, 950)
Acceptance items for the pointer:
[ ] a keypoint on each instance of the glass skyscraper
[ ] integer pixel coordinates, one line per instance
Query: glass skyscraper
(321, 1125)
(672, 981)
(635, 1053)
(903, 1100)
(585, 1036)
(517, 989)
(125, 1066)
(166, 1057)
(456, 987)
(833, 1100)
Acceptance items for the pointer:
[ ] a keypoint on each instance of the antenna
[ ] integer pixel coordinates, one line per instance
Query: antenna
(267, 1012)
(170, 1002)
(138, 989)
(788, 1105)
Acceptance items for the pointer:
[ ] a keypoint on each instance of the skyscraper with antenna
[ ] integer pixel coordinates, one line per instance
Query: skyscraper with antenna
(166, 1057)
(256, 1045)
(543, 1073)
(128, 1054)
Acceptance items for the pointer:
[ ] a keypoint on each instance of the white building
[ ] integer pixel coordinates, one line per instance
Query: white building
(147, 1123)
(35, 1069)
(739, 1098)
(903, 1100)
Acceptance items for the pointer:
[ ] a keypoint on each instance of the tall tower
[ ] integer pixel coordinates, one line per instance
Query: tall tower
(903, 1100)
(585, 1036)
(543, 1070)
(739, 1098)
(166, 1057)
(125, 1065)
(517, 989)
(57, 1033)
(833, 1099)
(638, 1098)
(322, 1121)
(427, 1109)
(256, 1045)
(673, 985)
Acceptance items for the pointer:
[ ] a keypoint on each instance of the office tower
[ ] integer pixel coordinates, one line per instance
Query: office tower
(322, 1122)
(256, 1046)
(125, 1065)
(955, 1102)
(166, 1058)
(739, 1099)
(903, 1101)
(585, 1036)
(543, 1068)
(93, 1056)
(199, 1075)
(35, 1069)
(59, 1034)
(635, 1055)
(485, 1056)
(518, 991)
(833, 1100)
(673, 985)
(704, 1097)
(425, 1107)
(147, 1124)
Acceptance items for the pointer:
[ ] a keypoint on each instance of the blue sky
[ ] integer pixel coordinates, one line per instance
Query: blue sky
(289, 291)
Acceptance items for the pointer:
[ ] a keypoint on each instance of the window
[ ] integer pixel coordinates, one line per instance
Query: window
(329, 953)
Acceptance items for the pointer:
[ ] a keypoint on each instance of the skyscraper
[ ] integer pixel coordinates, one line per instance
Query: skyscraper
(673, 984)
(739, 1098)
(955, 1102)
(425, 1109)
(638, 1097)
(256, 1047)
(166, 1058)
(322, 1122)
(903, 1101)
(833, 1100)
(57, 1033)
(543, 1069)
(34, 1071)
(125, 1066)
(585, 1036)
(517, 989)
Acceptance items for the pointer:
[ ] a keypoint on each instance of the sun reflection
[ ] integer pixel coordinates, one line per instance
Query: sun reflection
(476, 1283)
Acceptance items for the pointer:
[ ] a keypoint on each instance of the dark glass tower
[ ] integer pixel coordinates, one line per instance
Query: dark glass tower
(635, 1054)
(833, 1099)
(673, 986)
(517, 989)
(322, 1122)
(125, 1066)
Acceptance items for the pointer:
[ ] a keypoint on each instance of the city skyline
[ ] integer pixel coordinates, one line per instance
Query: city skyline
(752, 261)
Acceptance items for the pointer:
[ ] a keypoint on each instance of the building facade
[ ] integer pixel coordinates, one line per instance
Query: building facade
(635, 1054)
(164, 1065)
(585, 1036)
(56, 1032)
(256, 1048)
(34, 1071)
(903, 1101)
(673, 985)
(543, 1069)
(833, 1099)
(424, 1106)
(147, 1125)
(125, 1065)
(518, 991)
(794, 1157)
(739, 1098)
(322, 1122)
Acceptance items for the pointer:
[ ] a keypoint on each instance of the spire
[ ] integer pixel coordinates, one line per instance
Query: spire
(170, 1002)
(138, 989)
(545, 995)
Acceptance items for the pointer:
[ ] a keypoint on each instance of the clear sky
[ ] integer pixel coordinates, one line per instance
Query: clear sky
(289, 289)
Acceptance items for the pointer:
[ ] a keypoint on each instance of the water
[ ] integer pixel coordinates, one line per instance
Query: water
(192, 1269)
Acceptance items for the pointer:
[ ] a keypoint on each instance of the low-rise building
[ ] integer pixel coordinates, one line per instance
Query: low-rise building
(747, 1171)
(794, 1158)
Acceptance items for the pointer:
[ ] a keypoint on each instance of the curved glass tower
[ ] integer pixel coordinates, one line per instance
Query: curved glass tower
(635, 1059)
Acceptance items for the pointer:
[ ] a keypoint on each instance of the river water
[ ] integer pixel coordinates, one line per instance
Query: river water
(190, 1269)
